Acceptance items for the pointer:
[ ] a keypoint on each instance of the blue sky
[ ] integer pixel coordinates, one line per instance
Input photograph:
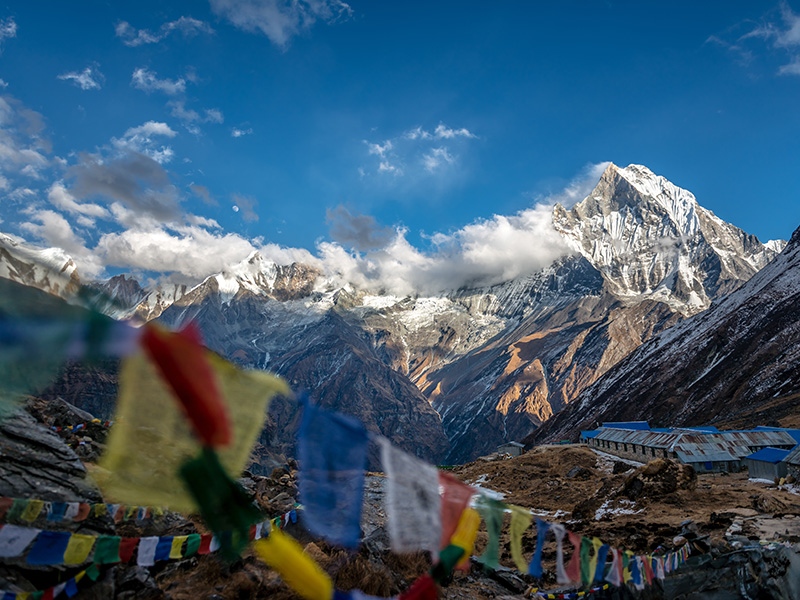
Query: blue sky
(178, 137)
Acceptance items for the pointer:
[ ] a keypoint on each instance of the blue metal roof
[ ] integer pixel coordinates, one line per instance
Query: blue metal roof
(638, 425)
(587, 435)
(769, 455)
(703, 428)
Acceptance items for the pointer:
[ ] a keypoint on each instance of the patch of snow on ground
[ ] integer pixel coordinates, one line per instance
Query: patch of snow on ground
(605, 461)
(625, 507)
(755, 480)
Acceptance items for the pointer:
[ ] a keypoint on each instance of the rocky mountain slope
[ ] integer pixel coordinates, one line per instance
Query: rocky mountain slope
(495, 362)
(734, 364)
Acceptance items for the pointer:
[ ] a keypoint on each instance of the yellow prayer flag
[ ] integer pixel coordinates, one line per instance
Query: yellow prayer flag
(151, 437)
(465, 534)
(177, 546)
(281, 552)
(521, 519)
(596, 545)
(31, 512)
(78, 548)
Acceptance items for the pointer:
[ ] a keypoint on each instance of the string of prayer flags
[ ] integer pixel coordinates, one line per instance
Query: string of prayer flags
(520, 521)
(147, 447)
(492, 512)
(332, 450)
(455, 499)
(298, 569)
(413, 504)
(181, 360)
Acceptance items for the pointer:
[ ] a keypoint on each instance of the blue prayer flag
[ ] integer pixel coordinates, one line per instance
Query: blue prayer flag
(49, 548)
(332, 450)
(535, 568)
(163, 548)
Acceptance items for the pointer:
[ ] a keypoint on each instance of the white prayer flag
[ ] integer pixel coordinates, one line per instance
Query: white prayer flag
(14, 540)
(413, 504)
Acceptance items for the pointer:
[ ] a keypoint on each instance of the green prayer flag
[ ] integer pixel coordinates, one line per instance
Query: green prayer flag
(492, 512)
(93, 572)
(106, 551)
(192, 544)
(448, 559)
(224, 505)
(16, 510)
(586, 561)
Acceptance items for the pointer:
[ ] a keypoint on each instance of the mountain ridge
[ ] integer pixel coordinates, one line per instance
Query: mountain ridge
(494, 362)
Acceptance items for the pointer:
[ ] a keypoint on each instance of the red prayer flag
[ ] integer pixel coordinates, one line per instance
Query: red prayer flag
(126, 548)
(205, 544)
(424, 588)
(574, 567)
(454, 500)
(5, 504)
(83, 511)
(181, 360)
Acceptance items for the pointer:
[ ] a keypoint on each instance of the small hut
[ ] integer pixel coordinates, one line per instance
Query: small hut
(767, 463)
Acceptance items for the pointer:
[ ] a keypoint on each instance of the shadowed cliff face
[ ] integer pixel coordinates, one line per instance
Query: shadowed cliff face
(734, 364)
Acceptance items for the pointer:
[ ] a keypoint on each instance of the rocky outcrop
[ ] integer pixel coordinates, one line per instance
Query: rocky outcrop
(37, 464)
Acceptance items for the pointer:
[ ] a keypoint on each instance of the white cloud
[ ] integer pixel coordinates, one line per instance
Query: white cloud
(237, 133)
(190, 250)
(8, 30)
(3, 83)
(781, 32)
(190, 117)
(61, 198)
(188, 26)
(418, 153)
(148, 81)
(280, 20)
(22, 147)
(88, 79)
(55, 230)
(140, 139)
(580, 186)
(437, 158)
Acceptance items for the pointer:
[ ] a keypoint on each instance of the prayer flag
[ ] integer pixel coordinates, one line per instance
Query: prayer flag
(177, 546)
(182, 361)
(424, 588)
(192, 544)
(413, 505)
(535, 568)
(224, 504)
(332, 451)
(298, 570)
(106, 551)
(127, 545)
(574, 567)
(455, 498)
(147, 551)
(78, 549)
(600, 569)
(31, 512)
(48, 549)
(163, 548)
(520, 521)
(492, 512)
(465, 534)
(57, 511)
(14, 540)
(561, 574)
(147, 447)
